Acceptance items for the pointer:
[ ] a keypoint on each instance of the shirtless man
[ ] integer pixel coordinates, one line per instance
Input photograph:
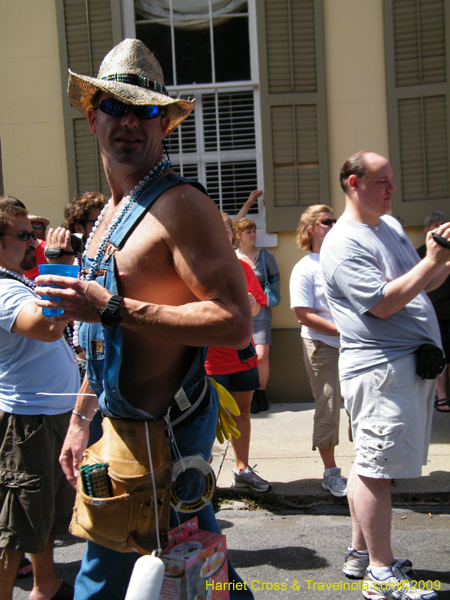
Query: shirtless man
(170, 287)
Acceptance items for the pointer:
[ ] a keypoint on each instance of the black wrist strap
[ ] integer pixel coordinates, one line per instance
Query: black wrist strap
(57, 252)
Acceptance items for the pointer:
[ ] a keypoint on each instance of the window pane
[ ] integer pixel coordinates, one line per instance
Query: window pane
(237, 179)
(157, 38)
(217, 142)
(189, 171)
(192, 50)
(187, 133)
(232, 50)
(236, 121)
(193, 54)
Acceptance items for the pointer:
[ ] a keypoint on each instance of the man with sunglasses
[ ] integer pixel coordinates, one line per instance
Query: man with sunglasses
(390, 354)
(39, 225)
(160, 282)
(38, 385)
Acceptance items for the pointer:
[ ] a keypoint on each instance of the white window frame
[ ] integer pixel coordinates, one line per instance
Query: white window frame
(129, 30)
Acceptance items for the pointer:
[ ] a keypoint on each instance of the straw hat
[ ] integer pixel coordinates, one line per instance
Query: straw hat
(43, 220)
(131, 74)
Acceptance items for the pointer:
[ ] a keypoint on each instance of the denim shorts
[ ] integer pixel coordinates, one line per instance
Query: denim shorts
(242, 381)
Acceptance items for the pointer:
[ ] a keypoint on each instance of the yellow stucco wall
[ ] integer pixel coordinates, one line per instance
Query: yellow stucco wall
(31, 120)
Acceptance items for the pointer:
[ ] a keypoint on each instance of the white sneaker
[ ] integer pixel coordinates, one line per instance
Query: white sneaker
(396, 586)
(356, 564)
(334, 483)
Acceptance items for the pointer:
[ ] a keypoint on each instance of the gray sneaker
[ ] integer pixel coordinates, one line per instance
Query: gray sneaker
(334, 483)
(248, 478)
(357, 563)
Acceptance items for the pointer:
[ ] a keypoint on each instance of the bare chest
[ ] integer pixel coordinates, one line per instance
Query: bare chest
(144, 266)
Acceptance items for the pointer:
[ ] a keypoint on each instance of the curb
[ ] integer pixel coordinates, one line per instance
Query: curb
(250, 500)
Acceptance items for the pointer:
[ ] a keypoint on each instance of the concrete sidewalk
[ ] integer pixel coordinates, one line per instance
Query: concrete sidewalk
(281, 449)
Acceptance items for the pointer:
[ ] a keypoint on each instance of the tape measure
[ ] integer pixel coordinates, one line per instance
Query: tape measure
(207, 488)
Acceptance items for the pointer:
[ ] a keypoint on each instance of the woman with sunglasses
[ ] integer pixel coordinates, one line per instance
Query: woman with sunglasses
(320, 340)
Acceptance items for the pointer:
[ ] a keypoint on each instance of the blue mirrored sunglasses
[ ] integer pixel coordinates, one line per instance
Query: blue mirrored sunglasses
(24, 236)
(114, 108)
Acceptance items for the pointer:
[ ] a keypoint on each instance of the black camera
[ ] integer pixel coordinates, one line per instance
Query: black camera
(76, 240)
(77, 243)
(441, 241)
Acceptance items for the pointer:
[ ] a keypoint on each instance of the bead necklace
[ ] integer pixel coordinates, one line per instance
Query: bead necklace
(31, 284)
(130, 200)
(21, 278)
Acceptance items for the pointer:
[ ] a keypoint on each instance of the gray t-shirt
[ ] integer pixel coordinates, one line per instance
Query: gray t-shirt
(357, 262)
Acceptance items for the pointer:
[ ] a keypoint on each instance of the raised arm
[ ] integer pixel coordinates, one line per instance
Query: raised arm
(248, 204)
(428, 274)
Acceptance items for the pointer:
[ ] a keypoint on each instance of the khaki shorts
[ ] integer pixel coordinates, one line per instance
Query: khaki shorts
(391, 410)
(321, 361)
(36, 500)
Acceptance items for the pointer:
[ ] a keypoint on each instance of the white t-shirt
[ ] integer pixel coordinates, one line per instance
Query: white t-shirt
(30, 366)
(307, 290)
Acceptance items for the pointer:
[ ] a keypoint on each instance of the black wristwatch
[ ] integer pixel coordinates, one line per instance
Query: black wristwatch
(110, 315)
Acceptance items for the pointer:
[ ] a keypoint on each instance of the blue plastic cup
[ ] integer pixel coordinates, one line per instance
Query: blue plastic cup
(62, 271)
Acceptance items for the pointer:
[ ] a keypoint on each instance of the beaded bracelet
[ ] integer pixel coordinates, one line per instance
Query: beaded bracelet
(77, 414)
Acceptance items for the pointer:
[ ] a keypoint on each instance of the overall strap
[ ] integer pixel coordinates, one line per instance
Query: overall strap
(263, 259)
(145, 201)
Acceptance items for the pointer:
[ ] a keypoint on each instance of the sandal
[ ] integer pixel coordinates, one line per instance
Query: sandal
(25, 568)
(442, 405)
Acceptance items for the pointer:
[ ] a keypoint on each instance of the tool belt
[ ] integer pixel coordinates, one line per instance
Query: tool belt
(118, 467)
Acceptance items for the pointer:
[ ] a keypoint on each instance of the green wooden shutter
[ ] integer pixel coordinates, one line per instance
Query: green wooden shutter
(294, 130)
(417, 78)
(88, 29)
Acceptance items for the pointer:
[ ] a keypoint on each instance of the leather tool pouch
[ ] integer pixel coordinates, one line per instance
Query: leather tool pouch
(126, 521)
(430, 361)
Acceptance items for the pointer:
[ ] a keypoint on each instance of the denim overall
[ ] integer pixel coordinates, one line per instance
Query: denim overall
(105, 573)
